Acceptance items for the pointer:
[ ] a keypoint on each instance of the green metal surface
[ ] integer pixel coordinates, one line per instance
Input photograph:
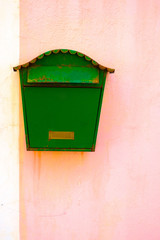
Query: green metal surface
(64, 51)
(63, 74)
(61, 109)
(62, 94)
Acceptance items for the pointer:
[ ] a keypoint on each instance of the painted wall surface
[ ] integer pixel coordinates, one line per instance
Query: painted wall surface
(113, 193)
(9, 120)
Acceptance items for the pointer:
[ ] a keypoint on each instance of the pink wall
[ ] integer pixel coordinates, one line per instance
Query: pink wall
(113, 193)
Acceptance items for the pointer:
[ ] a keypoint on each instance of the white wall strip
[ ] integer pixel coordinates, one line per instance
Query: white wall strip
(9, 120)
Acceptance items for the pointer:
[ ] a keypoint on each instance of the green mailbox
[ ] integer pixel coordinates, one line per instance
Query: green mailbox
(62, 93)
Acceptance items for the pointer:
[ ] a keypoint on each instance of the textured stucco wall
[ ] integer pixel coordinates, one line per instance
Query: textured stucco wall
(113, 193)
(9, 120)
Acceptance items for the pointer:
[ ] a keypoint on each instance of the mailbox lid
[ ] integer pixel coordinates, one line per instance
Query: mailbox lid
(63, 74)
(63, 57)
(71, 110)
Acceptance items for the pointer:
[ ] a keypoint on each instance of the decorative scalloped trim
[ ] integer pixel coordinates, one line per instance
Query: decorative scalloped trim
(63, 51)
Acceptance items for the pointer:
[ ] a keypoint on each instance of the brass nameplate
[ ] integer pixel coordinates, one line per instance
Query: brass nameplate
(61, 135)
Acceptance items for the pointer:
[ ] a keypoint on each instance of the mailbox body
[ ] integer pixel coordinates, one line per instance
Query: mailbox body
(62, 96)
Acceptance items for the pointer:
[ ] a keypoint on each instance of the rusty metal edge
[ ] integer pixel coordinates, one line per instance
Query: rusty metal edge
(94, 63)
(92, 149)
